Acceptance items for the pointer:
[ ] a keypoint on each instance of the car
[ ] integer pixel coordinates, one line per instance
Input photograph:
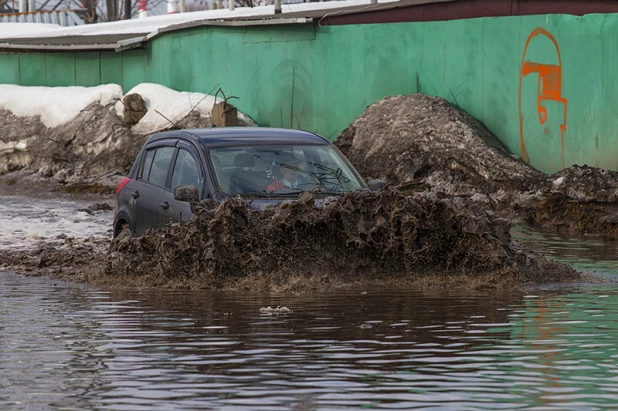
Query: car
(175, 168)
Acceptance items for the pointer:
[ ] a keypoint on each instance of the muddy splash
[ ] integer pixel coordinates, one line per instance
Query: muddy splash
(389, 238)
(362, 237)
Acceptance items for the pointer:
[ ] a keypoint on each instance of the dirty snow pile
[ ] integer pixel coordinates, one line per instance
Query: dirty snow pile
(424, 143)
(79, 134)
(413, 137)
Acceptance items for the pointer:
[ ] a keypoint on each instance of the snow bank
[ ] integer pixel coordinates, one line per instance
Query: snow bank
(166, 107)
(153, 24)
(55, 105)
(8, 30)
(59, 105)
(79, 134)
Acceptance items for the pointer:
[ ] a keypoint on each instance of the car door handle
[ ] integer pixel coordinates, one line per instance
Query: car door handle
(135, 194)
(165, 205)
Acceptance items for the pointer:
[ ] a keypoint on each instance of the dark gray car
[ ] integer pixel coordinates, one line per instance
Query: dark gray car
(174, 168)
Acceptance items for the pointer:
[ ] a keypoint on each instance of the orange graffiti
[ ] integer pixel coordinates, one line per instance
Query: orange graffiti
(549, 89)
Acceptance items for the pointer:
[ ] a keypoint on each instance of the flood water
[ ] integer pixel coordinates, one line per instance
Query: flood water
(66, 346)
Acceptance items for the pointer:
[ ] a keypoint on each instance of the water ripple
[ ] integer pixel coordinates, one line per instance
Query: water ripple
(71, 347)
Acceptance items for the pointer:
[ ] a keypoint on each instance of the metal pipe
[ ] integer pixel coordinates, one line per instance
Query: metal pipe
(172, 6)
(277, 6)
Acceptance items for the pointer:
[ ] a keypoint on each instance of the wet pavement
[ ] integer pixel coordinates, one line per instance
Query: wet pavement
(69, 346)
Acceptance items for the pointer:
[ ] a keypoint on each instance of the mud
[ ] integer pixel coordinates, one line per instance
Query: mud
(363, 237)
(423, 240)
(586, 184)
(93, 148)
(564, 215)
(423, 143)
(64, 258)
(80, 188)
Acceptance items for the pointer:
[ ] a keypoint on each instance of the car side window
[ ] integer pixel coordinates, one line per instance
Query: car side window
(186, 171)
(160, 165)
(145, 170)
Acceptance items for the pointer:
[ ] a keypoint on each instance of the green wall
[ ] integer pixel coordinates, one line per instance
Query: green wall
(321, 78)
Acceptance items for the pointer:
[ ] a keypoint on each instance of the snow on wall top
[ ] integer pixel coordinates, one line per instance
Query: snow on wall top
(152, 24)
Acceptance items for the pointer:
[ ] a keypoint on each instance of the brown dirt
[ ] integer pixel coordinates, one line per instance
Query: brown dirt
(565, 215)
(586, 184)
(577, 200)
(362, 237)
(423, 240)
(94, 147)
(414, 236)
(80, 188)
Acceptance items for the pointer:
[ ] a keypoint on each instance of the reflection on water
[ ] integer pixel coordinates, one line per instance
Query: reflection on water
(590, 254)
(71, 347)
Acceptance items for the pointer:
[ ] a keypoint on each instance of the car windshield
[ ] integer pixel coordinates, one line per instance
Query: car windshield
(282, 169)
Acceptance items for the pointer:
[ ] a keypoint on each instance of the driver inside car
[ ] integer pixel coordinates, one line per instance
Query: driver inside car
(288, 175)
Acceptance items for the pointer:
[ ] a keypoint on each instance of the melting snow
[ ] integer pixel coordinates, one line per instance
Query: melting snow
(55, 105)
(166, 105)
(59, 105)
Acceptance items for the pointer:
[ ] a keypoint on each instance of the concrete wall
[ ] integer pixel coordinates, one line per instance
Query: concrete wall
(544, 85)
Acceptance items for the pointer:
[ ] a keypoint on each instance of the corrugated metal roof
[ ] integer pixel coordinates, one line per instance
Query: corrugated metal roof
(126, 34)
(64, 18)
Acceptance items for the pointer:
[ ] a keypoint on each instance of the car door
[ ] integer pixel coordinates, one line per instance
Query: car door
(187, 170)
(148, 190)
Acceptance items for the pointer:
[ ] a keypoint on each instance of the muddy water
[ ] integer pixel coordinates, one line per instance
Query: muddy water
(592, 254)
(68, 346)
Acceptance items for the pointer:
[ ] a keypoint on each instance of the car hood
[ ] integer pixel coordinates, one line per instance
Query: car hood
(262, 203)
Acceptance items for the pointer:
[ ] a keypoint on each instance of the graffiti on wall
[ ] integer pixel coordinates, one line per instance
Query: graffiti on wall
(549, 88)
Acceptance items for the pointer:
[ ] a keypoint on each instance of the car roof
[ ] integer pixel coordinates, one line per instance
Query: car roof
(221, 136)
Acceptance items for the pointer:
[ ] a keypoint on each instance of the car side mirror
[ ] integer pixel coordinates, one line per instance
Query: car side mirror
(376, 184)
(187, 193)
